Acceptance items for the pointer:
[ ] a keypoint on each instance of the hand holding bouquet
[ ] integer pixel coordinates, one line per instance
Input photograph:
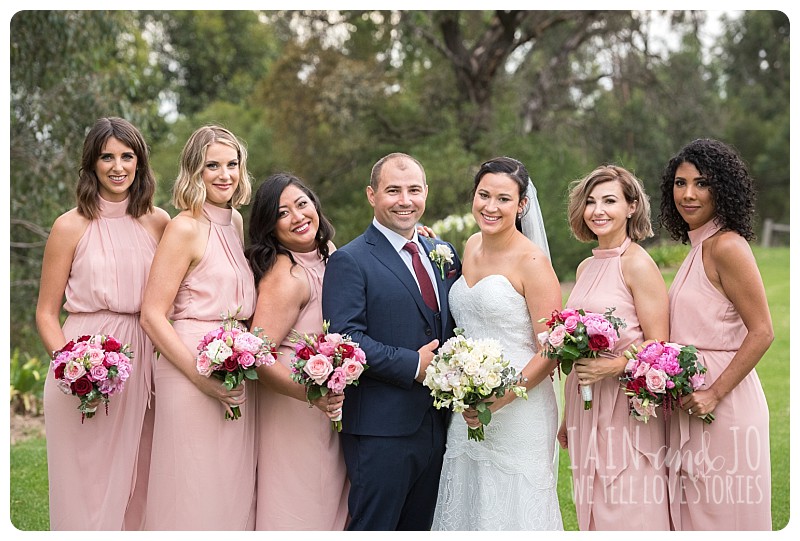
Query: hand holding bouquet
(230, 353)
(576, 334)
(327, 362)
(92, 367)
(658, 374)
(466, 372)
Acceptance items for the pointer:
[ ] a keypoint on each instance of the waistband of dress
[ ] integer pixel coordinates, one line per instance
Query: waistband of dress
(107, 312)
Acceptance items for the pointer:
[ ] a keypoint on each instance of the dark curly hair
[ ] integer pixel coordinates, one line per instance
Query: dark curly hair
(729, 182)
(263, 250)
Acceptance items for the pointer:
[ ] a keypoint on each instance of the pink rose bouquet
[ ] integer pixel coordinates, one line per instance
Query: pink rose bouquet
(658, 374)
(577, 334)
(92, 367)
(327, 362)
(231, 354)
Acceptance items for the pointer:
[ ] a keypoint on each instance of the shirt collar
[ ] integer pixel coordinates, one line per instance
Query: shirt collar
(395, 239)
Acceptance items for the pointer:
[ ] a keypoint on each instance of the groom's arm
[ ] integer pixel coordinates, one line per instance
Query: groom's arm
(345, 304)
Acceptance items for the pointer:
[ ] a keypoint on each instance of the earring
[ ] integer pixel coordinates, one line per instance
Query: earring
(629, 216)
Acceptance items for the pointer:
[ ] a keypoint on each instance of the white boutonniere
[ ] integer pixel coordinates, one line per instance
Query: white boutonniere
(441, 255)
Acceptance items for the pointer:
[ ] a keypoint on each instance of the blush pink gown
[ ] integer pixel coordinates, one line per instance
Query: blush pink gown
(719, 473)
(202, 474)
(302, 481)
(617, 462)
(98, 470)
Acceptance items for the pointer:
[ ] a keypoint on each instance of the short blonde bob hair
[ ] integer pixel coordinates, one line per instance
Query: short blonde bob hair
(189, 192)
(638, 228)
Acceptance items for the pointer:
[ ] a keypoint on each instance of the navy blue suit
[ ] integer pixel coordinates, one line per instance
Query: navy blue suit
(392, 436)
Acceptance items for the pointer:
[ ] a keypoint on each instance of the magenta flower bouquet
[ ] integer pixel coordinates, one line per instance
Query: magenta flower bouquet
(92, 367)
(658, 374)
(577, 334)
(231, 354)
(327, 362)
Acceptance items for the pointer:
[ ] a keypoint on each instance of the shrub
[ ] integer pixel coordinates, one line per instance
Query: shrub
(27, 383)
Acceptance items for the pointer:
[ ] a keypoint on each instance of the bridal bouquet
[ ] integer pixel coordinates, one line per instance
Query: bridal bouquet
(92, 367)
(230, 353)
(466, 372)
(658, 374)
(327, 362)
(576, 334)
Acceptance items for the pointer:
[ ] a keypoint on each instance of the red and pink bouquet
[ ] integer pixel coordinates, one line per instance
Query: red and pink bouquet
(327, 362)
(93, 368)
(658, 374)
(232, 354)
(577, 334)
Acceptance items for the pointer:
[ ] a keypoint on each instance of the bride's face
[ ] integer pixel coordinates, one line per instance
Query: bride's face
(496, 203)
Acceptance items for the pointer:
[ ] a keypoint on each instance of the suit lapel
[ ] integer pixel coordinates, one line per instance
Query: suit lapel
(385, 253)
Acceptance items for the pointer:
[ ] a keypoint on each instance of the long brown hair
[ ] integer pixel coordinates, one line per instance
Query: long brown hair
(143, 187)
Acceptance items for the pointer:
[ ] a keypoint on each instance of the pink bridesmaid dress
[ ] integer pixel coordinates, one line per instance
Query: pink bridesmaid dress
(202, 474)
(719, 473)
(98, 470)
(617, 462)
(302, 481)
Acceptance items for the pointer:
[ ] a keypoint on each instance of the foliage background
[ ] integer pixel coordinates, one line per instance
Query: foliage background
(326, 93)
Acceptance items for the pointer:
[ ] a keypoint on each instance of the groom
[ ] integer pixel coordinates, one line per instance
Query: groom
(393, 302)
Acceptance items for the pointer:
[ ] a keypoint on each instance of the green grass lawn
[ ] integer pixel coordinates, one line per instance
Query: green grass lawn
(28, 479)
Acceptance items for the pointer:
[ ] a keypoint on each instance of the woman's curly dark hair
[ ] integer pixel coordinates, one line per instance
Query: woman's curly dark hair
(263, 250)
(729, 182)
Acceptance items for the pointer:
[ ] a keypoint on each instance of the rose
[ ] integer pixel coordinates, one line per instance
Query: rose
(96, 356)
(556, 337)
(636, 384)
(246, 359)
(303, 351)
(359, 355)
(641, 369)
(230, 364)
(347, 351)
(327, 346)
(82, 386)
(338, 380)
(656, 380)
(318, 367)
(493, 380)
(599, 342)
(73, 370)
(571, 323)
(597, 324)
(111, 344)
(98, 372)
(248, 342)
(204, 365)
(352, 370)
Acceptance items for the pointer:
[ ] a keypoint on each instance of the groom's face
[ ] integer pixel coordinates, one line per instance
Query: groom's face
(399, 199)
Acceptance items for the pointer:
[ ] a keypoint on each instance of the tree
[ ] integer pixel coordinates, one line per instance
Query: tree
(63, 78)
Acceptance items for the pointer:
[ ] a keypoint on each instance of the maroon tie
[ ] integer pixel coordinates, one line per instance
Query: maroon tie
(425, 285)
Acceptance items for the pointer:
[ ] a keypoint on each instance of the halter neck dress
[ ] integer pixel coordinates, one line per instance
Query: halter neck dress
(618, 463)
(98, 470)
(719, 473)
(202, 475)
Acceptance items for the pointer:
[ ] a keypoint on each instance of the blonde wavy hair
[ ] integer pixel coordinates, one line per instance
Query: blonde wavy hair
(639, 226)
(189, 192)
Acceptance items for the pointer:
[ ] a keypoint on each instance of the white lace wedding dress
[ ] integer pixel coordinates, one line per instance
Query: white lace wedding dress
(508, 481)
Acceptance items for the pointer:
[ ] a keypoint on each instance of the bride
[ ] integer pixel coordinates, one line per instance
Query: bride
(508, 481)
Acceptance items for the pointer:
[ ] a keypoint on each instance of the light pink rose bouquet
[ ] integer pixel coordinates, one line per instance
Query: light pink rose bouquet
(326, 362)
(658, 374)
(231, 354)
(93, 368)
(578, 334)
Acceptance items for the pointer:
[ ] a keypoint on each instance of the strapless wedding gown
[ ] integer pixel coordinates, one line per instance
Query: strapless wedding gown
(508, 481)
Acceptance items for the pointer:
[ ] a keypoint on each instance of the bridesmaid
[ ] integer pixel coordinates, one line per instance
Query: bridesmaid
(202, 475)
(98, 256)
(719, 473)
(617, 462)
(302, 482)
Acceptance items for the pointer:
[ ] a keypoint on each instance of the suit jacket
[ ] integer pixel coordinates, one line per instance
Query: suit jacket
(370, 294)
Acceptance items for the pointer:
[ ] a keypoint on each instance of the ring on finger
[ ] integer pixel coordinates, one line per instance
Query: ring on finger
(690, 411)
